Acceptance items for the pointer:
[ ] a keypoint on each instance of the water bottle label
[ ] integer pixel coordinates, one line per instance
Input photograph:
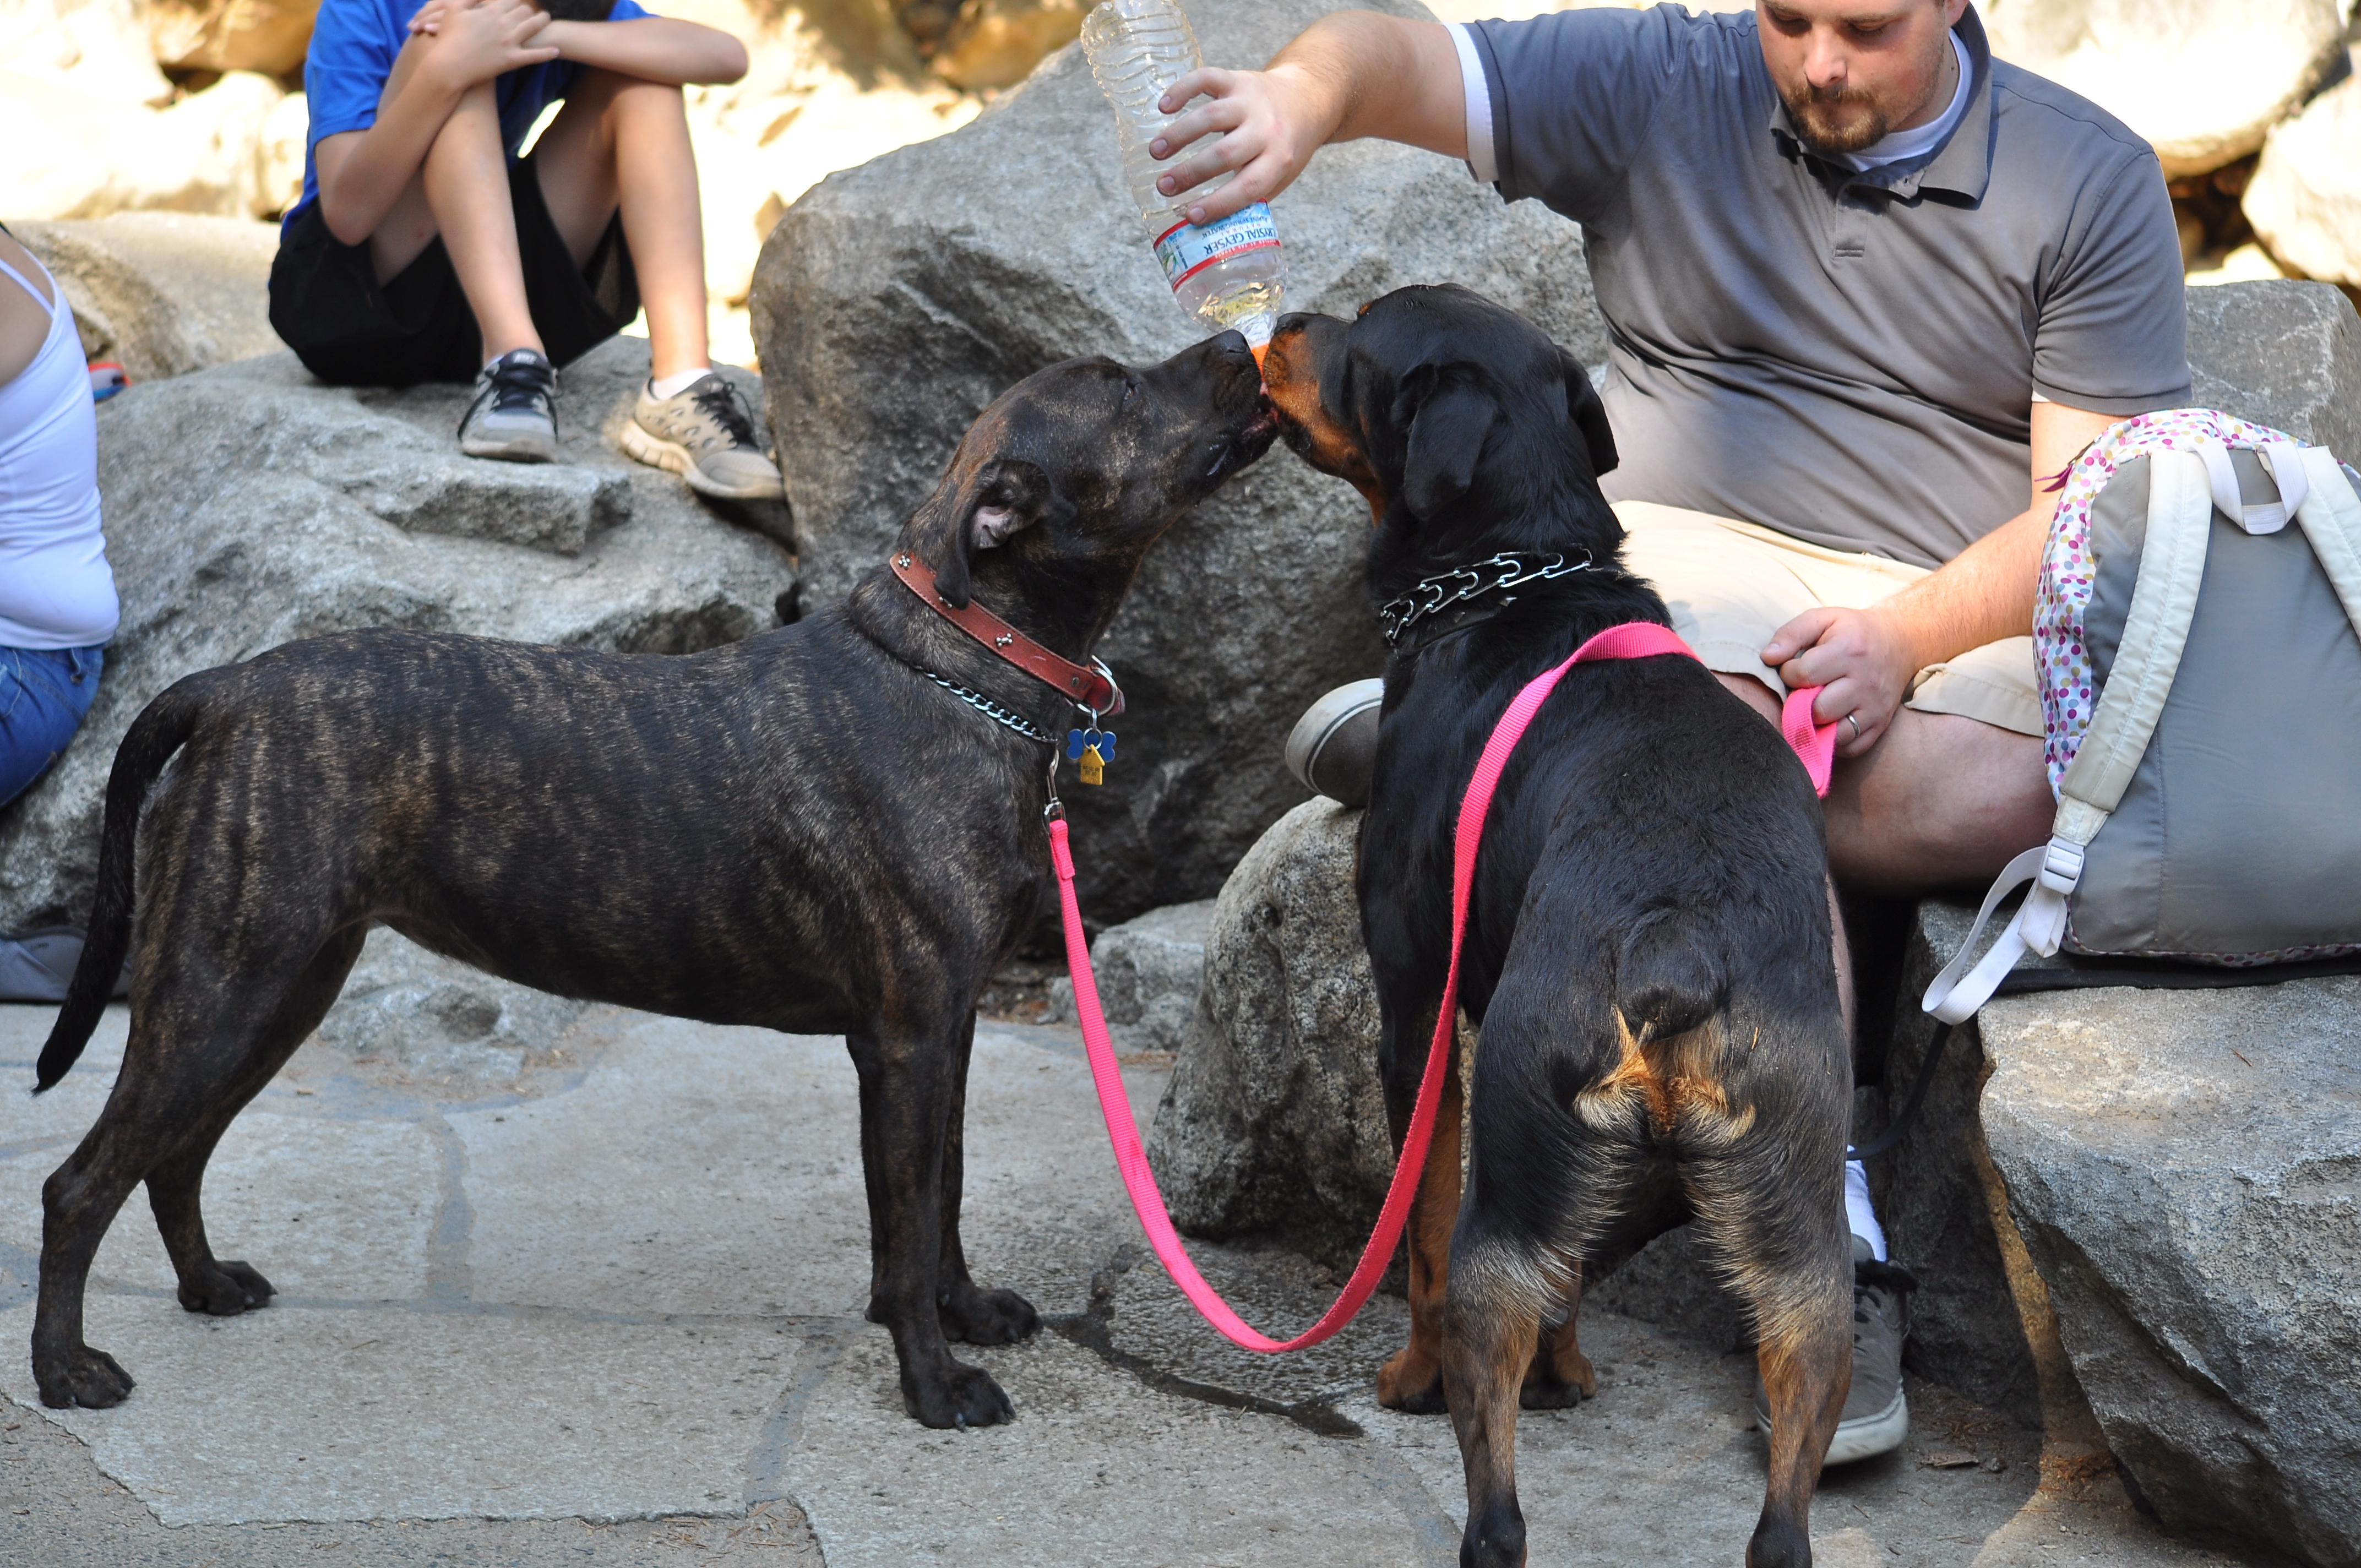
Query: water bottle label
(1186, 250)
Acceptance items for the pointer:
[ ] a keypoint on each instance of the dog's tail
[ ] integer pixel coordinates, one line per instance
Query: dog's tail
(1669, 978)
(158, 731)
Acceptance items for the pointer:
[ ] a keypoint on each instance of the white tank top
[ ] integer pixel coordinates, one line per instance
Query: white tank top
(56, 590)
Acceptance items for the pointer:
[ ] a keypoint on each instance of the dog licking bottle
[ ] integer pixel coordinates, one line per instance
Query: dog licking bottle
(1229, 273)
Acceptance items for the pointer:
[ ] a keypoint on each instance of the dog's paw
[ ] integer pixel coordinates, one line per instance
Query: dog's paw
(973, 1315)
(1412, 1384)
(1549, 1394)
(963, 1396)
(226, 1289)
(91, 1378)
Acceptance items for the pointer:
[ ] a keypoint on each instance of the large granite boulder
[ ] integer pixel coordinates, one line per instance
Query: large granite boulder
(2162, 1184)
(2202, 80)
(248, 504)
(2304, 200)
(162, 293)
(2282, 353)
(893, 300)
(1273, 1125)
(1148, 970)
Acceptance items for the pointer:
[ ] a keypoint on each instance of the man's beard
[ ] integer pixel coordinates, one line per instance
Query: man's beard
(1838, 122)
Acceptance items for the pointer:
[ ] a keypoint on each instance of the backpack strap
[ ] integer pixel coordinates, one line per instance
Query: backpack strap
(2164, 600)
(2331, 516)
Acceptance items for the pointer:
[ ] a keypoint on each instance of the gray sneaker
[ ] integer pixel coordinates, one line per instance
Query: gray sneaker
(513, 417)
(1876, 1417)
(705, 435)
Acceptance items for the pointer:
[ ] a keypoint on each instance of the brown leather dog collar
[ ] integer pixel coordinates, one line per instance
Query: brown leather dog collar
(1082, 685)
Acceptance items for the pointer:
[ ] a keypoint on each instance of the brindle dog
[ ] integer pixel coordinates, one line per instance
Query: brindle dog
(801, 830)
(1647, 952)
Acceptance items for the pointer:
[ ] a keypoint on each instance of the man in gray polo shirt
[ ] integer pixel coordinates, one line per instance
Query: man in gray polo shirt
(1866, 289)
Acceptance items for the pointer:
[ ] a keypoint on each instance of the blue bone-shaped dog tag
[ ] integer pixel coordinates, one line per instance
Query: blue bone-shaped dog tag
(1081, 741)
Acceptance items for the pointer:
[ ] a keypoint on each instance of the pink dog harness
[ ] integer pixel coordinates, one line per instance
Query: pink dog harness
(1815, 743)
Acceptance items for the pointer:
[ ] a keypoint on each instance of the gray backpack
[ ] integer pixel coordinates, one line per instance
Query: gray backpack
(2200, 672)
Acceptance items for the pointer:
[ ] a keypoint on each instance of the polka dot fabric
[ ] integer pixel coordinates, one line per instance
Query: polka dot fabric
(2067, 572)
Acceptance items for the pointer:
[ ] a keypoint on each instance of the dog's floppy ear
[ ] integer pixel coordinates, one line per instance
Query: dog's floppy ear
(1589, 416)
(998, 499)
(1454, 412)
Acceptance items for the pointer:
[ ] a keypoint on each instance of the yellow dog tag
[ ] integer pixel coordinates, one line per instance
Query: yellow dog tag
(1093, 766)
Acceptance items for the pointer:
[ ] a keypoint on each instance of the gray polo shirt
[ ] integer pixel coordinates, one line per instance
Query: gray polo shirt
(1849, 357)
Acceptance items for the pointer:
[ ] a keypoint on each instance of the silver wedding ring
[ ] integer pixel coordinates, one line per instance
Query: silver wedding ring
(1856, 727)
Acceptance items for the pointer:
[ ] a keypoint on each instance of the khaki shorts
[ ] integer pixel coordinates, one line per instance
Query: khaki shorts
(1731, 585)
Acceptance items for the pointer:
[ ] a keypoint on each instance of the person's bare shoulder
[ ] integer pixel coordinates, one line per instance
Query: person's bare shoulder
(23, 320)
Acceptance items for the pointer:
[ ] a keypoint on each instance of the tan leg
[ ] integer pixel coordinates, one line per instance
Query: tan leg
(1413, 1379)
(1484, 1358)
(622, 142)
(1806, 1364)
(464, 181)
(1559, 1375)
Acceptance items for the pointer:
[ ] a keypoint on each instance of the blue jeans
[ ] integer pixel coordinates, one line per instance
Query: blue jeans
(43, 695)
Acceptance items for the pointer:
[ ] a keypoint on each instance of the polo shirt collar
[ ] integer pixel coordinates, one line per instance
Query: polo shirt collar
(1963, 163)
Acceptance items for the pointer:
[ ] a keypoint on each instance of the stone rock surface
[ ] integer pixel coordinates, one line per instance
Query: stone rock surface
(2305, 197)
(2202, 80)
(96, 49)
(267, 36)
(1149, 971)
(2284, 353)
(998, 42)
(162, 293)
(2185, 1167)
(79, 155)
(1274, 1125)
(893, 301)
(426, 1016)
(247, 505)
(2161, 1184)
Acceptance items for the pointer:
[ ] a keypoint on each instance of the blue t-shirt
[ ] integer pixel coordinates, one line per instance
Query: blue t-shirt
(354, 44)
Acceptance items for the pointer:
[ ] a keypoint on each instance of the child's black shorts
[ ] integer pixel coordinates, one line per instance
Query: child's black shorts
(351, 330)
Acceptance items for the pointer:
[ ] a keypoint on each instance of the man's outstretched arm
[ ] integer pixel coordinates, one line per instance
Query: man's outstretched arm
(1349, 75)
(1865, 658)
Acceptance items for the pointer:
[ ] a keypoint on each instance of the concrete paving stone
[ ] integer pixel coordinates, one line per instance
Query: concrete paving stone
(324, 1203)
(762, 1209)
(723, 1176)
(541, 1361)
(1280, 1293)
(308, 1413)
(1096, 1468)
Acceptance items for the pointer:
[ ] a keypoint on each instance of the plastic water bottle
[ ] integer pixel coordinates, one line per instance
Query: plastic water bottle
(1229, 273)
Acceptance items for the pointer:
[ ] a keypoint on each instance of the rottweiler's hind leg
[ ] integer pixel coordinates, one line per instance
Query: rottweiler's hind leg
(1411, 1379)
(969, 1312)
(1559, 1377)
(218, 1287)
(1784, 1239)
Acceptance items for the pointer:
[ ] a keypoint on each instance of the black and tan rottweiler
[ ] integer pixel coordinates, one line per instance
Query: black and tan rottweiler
(805, 830)
(1648, 954)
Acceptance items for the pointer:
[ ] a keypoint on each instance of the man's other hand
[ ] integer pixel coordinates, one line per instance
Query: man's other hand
(1862, 661)
(1350, 74)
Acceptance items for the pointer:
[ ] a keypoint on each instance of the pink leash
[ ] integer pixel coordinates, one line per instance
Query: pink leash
(1816, 744)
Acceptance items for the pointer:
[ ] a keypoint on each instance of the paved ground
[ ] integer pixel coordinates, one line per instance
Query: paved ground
(609, 1312)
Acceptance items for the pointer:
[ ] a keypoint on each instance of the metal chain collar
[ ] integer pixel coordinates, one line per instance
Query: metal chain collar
(993, 710)
(1509, 569)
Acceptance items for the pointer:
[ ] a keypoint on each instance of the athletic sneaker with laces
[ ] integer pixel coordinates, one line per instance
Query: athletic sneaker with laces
(515, 416)
(705, 435)
(1876, 1417)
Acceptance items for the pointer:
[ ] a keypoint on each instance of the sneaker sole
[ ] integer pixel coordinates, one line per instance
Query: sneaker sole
(1863, 1437)
(655, 451)
(519, 451)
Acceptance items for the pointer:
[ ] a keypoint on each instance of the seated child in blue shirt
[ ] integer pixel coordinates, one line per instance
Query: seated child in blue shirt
(424, 247)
